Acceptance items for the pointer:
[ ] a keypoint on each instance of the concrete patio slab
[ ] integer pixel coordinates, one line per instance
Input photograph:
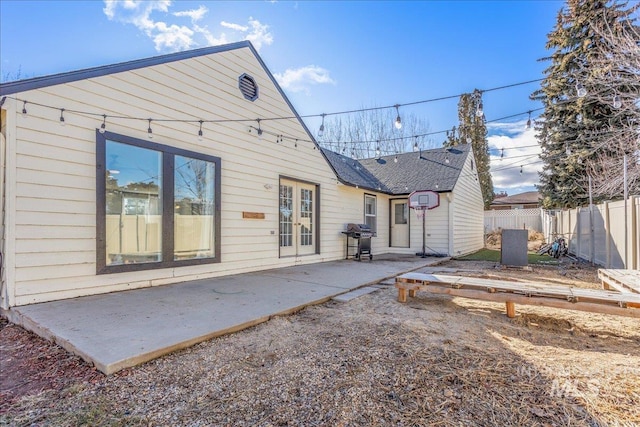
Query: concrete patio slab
(123, 329)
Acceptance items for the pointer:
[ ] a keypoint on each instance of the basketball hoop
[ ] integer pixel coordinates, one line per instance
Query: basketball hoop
(421, 202)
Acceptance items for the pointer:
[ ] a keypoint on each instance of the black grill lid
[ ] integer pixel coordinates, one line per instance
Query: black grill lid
(358, 228)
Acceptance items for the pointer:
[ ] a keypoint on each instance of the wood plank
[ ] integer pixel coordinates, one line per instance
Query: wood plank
(525, 293)
(622, 280)
(524, 288)
(521, 299)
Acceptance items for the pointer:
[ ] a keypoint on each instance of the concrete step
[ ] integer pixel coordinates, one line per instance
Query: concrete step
(348, 296)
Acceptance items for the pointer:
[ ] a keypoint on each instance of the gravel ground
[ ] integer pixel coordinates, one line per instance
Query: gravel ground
(436, 360)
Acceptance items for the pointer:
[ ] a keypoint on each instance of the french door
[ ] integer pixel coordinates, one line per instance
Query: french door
(298, 218)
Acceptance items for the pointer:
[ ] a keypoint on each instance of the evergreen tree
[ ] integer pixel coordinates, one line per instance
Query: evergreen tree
(472, 129)
(573, 126)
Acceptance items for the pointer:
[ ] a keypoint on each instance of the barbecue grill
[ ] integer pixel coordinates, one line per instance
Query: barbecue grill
(362, 234)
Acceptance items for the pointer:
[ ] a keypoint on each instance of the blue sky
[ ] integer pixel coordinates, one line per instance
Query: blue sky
(328, 56)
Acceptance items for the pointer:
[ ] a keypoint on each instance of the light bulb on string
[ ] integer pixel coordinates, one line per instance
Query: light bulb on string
(521, 170)
(62, 123)
(567, 150)
(200, 134)
(149, 130)
(580, 90)
(501, 153)
(24, 109)
(395, 159)
(529, 121)
(378, 152)
(479, 110)
(103, 126)
(617, 102)
(398, 122)
(579, 118)
(321, 130)
(259, 130)
(353, 154)
(415, 145)
(468, 139)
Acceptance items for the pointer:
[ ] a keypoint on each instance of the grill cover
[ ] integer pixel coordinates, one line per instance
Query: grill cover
(358, 228)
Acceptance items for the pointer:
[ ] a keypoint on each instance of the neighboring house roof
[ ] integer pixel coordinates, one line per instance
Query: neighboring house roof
(527, 198)
(426, 170)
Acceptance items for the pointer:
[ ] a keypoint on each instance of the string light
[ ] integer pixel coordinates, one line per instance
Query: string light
(259, 130)
(103, 126)
(378, 152)
(579, 118)
(580, 90)
(149, 131)
(321, 130)
(617, 102)
(520, 169)
(62, 123)
(480, 110)
(398, 122)
(395, 159)
(200, 135)
(529, 121)
(24, 109)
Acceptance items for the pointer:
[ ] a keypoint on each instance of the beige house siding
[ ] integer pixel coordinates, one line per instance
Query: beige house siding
(436, 229)
(467, 211)
(53, 248)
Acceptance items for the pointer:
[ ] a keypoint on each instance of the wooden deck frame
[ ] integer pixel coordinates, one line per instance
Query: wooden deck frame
(620, 280)
(511, 293)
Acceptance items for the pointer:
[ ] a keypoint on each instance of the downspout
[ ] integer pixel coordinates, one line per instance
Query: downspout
(450, 208)
(4, 297)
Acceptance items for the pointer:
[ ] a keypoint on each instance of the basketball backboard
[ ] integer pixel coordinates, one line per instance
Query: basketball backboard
(424, 199)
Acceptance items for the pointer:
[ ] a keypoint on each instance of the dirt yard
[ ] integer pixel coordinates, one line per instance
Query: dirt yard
(436, 360)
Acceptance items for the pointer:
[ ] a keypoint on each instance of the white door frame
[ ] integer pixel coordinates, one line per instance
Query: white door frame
(399, 233)
(299, 215)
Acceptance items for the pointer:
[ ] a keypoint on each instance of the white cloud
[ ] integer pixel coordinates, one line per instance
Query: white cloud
(299, 79)
(259, 35)
(168, 36)
(195, 14)
(165, 36)
(521, 150)
(235, 27)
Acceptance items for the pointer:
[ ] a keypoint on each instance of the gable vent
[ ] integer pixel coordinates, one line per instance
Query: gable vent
(248, 87)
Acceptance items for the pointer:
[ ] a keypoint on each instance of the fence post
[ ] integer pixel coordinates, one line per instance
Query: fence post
(607, 229)
(634, 232)
(578, 232)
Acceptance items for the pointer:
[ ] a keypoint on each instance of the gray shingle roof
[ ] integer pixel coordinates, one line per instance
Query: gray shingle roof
(428, 170)
(353, 172)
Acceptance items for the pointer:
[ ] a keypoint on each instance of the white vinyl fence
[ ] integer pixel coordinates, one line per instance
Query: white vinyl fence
(513, 219)
(606, 235)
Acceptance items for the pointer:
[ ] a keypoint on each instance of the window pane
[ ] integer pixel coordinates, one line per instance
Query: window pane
(133, 204)
(306, 217)
(401, 213)
(286, 215)
(370, 205)
(194, 209)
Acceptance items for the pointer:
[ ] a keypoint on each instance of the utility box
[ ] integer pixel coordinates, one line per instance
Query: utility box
(513, 250)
